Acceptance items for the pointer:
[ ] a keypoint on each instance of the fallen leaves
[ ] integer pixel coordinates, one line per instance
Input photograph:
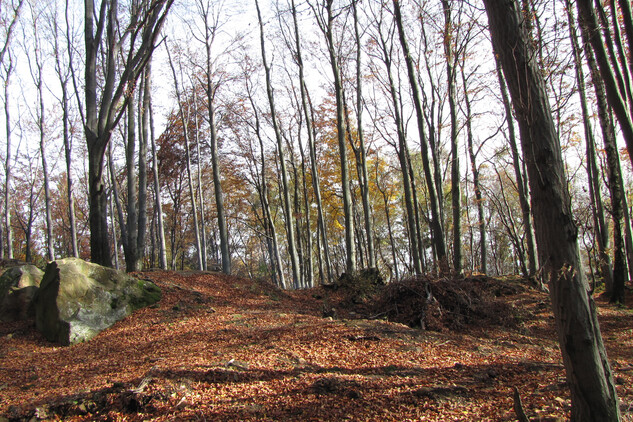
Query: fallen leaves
(221, 348)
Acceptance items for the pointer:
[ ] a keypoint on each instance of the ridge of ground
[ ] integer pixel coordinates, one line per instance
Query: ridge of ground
(224, 348)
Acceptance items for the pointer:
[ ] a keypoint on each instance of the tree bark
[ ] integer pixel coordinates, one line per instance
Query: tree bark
(8, 164)
(369, 231)
(203, 225)
(587, 367)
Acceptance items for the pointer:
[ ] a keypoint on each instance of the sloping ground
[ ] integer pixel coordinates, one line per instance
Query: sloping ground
(223, 348)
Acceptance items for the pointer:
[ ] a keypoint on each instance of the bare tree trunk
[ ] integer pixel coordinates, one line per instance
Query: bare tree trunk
(614, 174)
(288, 211)
(144, 132)
(403, 154)
(162, 248)
(455, 177)
(102, 113)
(63, 74)
(593, 171)
(131, 232)
(36, 68)
(615, 96)
(210, 31)
(369, 231)
(481, 222)
(309, 270)
(8, 164)
(203, 225)
(184, 117)
(521, 178)
(437, 232)
(312, 150)
(587, 367)
(350, 249)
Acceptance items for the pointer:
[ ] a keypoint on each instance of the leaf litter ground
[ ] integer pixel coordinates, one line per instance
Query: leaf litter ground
(221, 348)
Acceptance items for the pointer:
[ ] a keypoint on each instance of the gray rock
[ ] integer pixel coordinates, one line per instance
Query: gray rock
(18, 286)
(78, 299)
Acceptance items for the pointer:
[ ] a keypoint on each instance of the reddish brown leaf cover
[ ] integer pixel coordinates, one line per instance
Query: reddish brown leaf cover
(223, 348)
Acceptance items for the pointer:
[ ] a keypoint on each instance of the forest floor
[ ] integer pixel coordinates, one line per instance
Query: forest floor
(223, 348)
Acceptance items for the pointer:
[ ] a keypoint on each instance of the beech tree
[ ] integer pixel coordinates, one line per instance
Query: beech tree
(587, 368)
(104, 103)
(326, 16)
(36, 68)
(10, 17)
(288, 209)
(437, 232)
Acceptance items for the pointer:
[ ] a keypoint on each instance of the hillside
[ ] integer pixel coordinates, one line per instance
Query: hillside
(224, 348)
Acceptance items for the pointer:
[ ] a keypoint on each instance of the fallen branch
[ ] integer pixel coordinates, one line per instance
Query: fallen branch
(518, 406)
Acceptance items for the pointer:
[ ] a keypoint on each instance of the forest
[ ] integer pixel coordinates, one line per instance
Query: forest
(302, 142)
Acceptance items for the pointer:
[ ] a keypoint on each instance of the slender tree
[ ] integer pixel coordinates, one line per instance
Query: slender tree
(162, 249)
(184, 112)
(211, 26)
(311, 147)
(437, 232)
(610, 72)
(36, 68)
(285, 184)
(451, 59)
(326, 16)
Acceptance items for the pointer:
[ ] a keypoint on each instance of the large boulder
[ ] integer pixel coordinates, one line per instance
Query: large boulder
(18, 286)
(78, 299)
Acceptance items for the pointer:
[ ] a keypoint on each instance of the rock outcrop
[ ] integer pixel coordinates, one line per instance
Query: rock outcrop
(78, 299)
(18, 286)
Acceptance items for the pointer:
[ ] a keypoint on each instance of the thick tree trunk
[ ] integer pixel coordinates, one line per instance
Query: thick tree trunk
(131, 230)
(587, 367)
(102, 114)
